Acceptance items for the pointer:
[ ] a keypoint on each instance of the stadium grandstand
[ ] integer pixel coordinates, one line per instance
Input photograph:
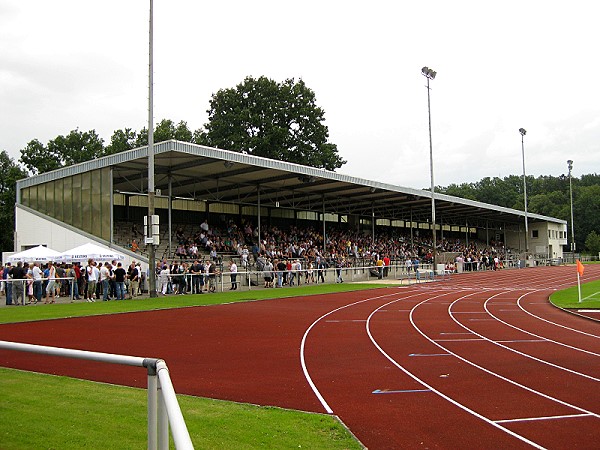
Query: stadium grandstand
(244, 200)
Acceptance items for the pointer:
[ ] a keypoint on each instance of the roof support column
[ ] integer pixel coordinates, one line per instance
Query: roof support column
(323, 218)
(170, 207)
(412, 244)
(258, 213)
(112, 208)
(373, 224)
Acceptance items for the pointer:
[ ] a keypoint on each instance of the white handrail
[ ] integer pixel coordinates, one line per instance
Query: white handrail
(157, 369)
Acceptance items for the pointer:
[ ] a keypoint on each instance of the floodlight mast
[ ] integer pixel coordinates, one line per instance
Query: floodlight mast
(430, 75)
(151, 193)
(523, 133)
(573, 246)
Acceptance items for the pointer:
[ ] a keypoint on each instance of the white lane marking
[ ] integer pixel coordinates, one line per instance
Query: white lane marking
(553, 323)
(444, 396)
(534, 419)
(518, 352)
(485, 305)
(498, 343)
(303, 345)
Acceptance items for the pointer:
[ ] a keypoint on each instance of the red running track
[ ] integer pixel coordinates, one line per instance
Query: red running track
(478, 361)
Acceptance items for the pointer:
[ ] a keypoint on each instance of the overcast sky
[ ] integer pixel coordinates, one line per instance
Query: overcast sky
(67, 64)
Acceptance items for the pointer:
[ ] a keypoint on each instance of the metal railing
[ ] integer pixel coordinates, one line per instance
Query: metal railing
(163, 407)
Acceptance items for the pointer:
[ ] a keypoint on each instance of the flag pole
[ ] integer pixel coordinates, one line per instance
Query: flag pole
(580, 270)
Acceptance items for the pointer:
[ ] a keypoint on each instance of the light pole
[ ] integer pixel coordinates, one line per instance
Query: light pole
(573, 247)
(523, 132)
(430, 75)
(151, 192)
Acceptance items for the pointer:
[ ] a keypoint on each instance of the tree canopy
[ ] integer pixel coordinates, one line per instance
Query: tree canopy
(10, 172)
(546, 195)
(274, 120)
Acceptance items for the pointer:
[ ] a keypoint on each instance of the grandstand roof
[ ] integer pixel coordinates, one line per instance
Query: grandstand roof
(205, 173)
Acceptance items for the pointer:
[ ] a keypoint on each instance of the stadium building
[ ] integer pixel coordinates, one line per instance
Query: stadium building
(105, 201)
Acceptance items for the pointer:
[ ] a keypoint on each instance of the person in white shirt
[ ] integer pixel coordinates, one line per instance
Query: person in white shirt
(51, 283)
(163, 277)
(105, 280)
(37, 274)
(92, 278)
(233, 270)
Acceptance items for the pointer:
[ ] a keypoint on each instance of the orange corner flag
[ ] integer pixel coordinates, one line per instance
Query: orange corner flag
(580, 268)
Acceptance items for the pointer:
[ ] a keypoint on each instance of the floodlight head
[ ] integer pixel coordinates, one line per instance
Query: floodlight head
(228, 164)
(522, 131)
(570, 164)
(429, 73)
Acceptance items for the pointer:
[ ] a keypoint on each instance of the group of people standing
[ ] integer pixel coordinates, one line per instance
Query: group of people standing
(37, 282)
(196, 278)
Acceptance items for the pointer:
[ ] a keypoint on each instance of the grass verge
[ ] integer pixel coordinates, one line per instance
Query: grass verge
(569, 298)
(80, 308)
(46, 411)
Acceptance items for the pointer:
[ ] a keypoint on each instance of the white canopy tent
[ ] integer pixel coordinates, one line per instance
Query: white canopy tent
(35, 254)
(91, 251)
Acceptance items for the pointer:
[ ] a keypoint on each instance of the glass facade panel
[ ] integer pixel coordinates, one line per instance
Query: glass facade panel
(25, 196)
(286, 213)
(32, 197)
(119, 199)
(223, 208)
(49, 188)
(96, 202)
(41, 195)
(105, 207)
(86, 201)
(68, 200)
(59, 199)
(76, 201)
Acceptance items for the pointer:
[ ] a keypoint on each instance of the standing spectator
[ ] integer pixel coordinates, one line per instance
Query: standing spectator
(37, 275)
(18, 276)
(212, 277)
(77, 280)
(120, 275)
(92, 276)
(51, 286)
(29, 287)
(105, 280)
(134, 280)
(338, 270)
(280, 267)
(197, 270)
(379, 265)
(321, 270)
(111, 280)
(386, 265)
(163, 277)
(233, 270)
(268, 273)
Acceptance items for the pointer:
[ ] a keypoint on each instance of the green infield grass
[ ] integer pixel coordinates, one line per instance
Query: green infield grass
(47, 411)
(82, 308)
(569, 298)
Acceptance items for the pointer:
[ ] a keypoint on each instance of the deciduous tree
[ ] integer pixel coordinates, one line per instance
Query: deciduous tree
(10, 172)
(275, 120)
